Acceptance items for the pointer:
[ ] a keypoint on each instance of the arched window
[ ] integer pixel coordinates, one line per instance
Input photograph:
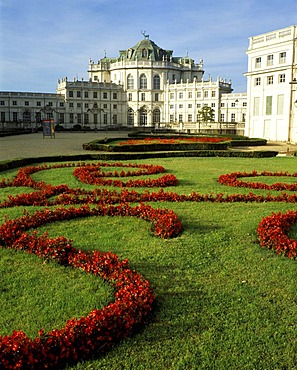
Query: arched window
(156, 116)
(143, 117)
(143, 81)
(156, 82)
(130, 82)
(130, 117)
(26, 117)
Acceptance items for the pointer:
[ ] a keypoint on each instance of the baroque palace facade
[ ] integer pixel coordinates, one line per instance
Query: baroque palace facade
(271, 85)
(145, 86)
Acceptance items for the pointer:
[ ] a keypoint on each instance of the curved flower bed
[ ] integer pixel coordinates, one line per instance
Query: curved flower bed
(92, 174)
(174, 140)
(231, 179)
(81, 338)
(272, 232)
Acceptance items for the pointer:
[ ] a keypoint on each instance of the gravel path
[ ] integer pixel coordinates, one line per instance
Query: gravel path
(64, 143)
(70, 143)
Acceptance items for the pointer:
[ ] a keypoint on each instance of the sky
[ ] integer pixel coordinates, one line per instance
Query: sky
(42, 41)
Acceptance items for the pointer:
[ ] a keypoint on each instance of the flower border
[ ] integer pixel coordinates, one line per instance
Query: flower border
(231, 179)
(80, 338)
(96, 332)
(272, 233)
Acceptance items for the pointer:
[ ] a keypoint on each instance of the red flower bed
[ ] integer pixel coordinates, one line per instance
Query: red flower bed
(92, 174)
(81, 338)
(232, 180)
(177, 140)
(272, 232)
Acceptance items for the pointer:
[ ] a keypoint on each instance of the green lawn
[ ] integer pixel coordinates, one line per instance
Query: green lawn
(223, 303)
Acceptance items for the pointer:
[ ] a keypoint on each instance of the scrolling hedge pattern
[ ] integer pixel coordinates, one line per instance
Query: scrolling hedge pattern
(133, 299)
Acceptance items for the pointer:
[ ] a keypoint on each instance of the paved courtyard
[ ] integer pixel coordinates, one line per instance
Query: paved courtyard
(70, 143)
(64, 143)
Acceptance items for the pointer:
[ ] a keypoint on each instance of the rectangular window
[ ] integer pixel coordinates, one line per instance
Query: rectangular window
(190, 106)
(190, 95)
(105, 118)
(270, 80)
(232, 117)
(156, 97)
(86, 118)
(115, 106)
(180, 118)
(213, 94)
(180, 106)
(171, 117)
(282, 57)
(233, 105)
(180, 95)
(105, 106)
(198, 105)
(171, 106)
(105, 95)
(61, 117)
(213, 105)
(206, 94)
(71, 118)
(26, 103)
(257, 81)
(70, 105)
(14, 102)
(222, 117)
(114, 95)
(78, 117)
(268, 105)
(37, 103)
(78, 105)
(282, 78)
(142, 96)
(270, 60)
(173, 77)
(256, 106)
(130, 97)
(70, 94)
(50, 104)
(95, 95)
(86, 105)
(258, 62)
(86, 94)
(190, 117)
(198, 94)
(2, 117)
(61, 104)
(114, 119)
(78, 94)
(171, 95)
(222, 105)
(244, 104)
(280, 104)
(15, 116)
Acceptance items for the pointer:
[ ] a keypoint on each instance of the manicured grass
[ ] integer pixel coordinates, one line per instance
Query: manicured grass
(222, 301)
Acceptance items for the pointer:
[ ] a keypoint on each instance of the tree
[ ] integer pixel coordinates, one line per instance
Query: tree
(206, 114)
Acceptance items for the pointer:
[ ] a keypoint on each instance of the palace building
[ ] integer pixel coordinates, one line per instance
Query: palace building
(145, 86)
(271, 86)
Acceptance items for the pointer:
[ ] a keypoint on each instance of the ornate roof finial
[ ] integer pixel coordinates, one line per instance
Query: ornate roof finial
(145, 35)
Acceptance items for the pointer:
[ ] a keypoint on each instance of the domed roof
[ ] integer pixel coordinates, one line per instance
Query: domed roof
(146, 49)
